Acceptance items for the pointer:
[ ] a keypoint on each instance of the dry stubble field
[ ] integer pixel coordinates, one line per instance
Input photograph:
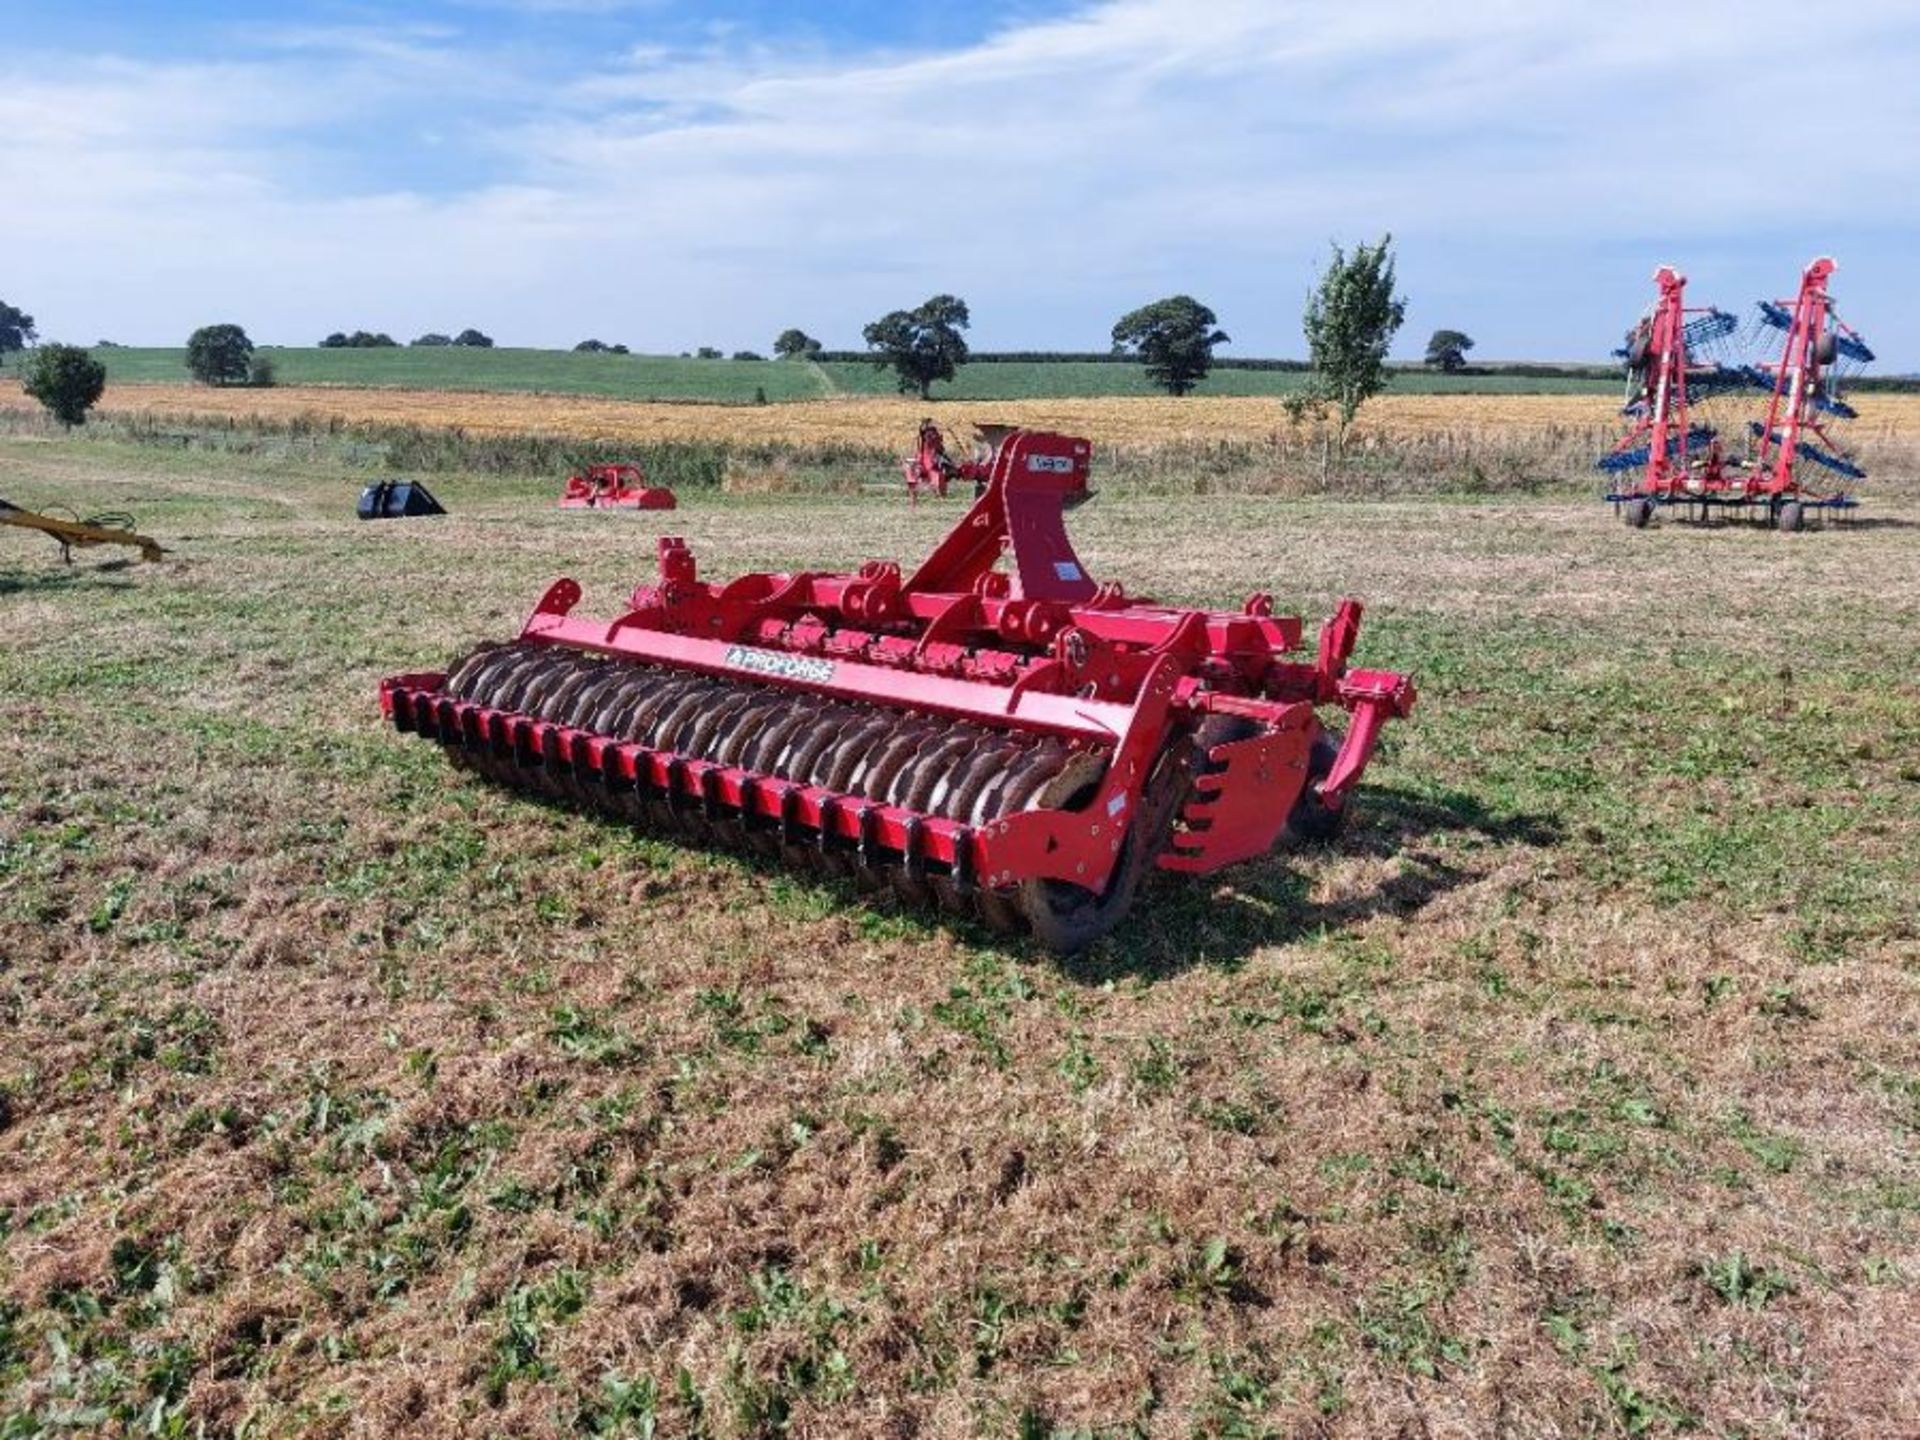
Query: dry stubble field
(1576, 1092)
(889, 421)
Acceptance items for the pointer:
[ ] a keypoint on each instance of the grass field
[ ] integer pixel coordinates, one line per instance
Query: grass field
(665, 377)
(1574, 1093)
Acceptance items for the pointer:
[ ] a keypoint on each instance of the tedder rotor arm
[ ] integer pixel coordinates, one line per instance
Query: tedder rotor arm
(69, 533)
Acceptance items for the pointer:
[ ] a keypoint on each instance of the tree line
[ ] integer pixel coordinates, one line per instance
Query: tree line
(1352, 315)
(380, 340)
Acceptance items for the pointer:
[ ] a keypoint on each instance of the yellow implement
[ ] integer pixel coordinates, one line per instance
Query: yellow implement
(97, 530)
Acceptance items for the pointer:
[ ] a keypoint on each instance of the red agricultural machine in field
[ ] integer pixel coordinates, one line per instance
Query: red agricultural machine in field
(1022, 743)
(930, 468)
(1684, 464)
(614, 487)
(1805, 401)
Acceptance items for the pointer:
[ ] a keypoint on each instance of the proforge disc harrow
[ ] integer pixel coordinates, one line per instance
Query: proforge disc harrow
(1021, 744)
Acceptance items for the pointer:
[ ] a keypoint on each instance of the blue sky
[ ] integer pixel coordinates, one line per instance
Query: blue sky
(672, 174)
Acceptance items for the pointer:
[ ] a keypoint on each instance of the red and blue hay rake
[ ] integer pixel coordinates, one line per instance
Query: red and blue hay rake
(1683, 464)
(1019, 743)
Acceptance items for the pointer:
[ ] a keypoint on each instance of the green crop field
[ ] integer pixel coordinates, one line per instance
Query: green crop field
(1575, 1091)
(665, 377)
(1070, 379)
(563, 372)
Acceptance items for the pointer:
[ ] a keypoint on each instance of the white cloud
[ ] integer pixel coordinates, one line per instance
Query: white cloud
(1534, 159)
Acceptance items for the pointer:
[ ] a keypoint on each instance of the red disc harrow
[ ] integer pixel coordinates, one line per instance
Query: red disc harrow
(1023, 744)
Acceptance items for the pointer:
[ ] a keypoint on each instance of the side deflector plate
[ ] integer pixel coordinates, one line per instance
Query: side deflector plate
(1241, 803)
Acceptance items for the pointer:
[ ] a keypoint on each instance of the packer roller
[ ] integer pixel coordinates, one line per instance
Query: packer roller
(995, 734)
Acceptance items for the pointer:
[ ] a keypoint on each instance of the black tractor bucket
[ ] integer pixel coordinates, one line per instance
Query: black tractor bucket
(396, 499)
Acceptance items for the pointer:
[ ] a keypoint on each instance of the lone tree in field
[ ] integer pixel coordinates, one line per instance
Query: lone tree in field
(796, 345)
(432, 338)
(1175, 337)
(921, 345)
(65, 379)
(1352, 317)
(16, 330)
(474, 339)
(1447, 350)
(220, 355)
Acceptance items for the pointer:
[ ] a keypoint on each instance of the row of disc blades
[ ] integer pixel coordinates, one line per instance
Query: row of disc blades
(928, 764)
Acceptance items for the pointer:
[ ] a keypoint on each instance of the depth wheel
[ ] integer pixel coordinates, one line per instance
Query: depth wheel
(1793, 517)
(1637, 513)
(1067, 918)
(1312, 821)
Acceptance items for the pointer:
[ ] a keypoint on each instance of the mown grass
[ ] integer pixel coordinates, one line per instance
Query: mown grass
(1574, 1092)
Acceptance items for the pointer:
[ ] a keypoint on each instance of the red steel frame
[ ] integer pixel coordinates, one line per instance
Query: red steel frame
(931, 468)
(1040, 647)
(1666, 428)
(1797, 377)
(1769, 477)
(614, 487)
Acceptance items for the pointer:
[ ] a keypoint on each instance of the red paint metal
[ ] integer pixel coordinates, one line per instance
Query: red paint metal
(614, 487)
(931, 469)
(1797, 375)
(1681, 470)
(1038, 646)
(1664, 427)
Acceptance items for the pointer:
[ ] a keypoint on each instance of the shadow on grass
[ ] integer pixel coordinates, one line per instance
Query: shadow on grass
(1177, 922)
(1814, 527)
(1180, 923)
(65, 578)
(1874, 522)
